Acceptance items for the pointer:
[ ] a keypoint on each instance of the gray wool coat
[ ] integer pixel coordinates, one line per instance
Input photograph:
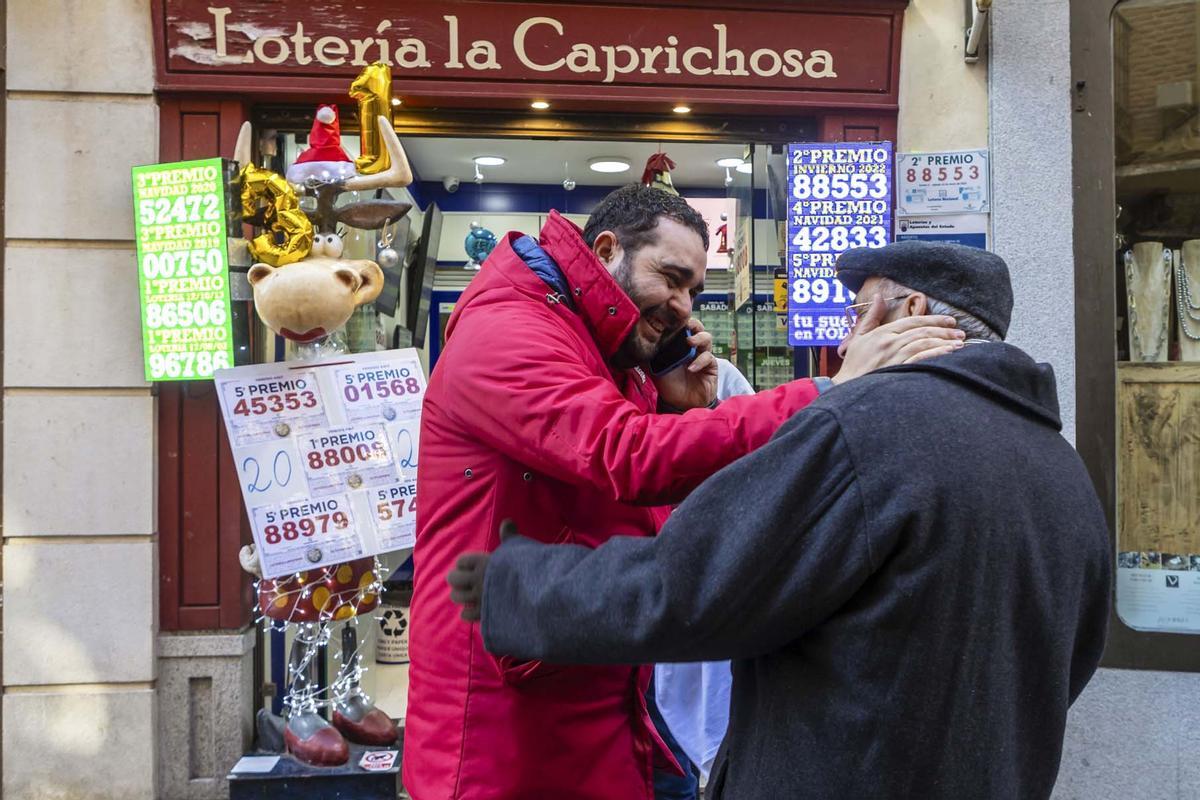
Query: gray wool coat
(912, 578)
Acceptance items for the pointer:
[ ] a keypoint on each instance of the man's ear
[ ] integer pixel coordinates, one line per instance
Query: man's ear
(916, 305)
(607, 249)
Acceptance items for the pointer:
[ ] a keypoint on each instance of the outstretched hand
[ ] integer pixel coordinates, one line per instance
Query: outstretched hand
(874, 345)
(466, 579)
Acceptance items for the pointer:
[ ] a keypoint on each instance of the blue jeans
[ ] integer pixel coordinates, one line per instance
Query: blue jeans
(666, 785)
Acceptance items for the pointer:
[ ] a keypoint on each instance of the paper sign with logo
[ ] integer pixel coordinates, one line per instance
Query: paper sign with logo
(720, 215)
(326, 455)
(966, 229)
(942, 183)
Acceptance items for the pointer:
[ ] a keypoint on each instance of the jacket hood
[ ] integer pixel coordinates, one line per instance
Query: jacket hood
(592, 293)
(1001, 371)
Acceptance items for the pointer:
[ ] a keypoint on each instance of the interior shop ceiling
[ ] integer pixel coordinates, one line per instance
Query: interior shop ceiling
(544, 161)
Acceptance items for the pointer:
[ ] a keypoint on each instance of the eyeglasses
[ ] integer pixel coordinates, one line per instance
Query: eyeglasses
(853, 311)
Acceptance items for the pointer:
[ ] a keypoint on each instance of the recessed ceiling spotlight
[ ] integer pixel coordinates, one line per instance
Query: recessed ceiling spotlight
(395, 101)
(729, 162)
(682, 109)
(745, 168)
(540, 105)
(488, 161)
(608, 164)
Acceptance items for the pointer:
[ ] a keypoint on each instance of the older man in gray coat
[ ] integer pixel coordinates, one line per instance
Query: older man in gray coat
(911, 577)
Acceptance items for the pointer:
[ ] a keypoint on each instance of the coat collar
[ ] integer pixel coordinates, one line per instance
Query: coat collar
(1003, 372)
(603, 305)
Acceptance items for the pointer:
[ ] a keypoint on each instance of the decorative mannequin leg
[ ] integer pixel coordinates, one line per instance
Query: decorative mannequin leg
(309, 737)
(1148, 282)
(353, 712)
(1187, 299)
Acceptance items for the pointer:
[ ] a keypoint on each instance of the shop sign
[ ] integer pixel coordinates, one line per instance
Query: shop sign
(849, 51)
(840, 197)
(964, 229)
(326, 455)
(1158, 591)
(180, 230)
(943, 183)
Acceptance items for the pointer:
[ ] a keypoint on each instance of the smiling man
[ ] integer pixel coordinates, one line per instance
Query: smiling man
(913, 582)
(541, 411)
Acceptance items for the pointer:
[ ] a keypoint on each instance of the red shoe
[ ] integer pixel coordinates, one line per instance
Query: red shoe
(363, 723)
(314, 741)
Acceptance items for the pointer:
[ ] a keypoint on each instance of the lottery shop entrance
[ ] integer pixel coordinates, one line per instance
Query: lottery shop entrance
(725, 131)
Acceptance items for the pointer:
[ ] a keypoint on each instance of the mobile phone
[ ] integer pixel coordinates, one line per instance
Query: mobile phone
(675, 353)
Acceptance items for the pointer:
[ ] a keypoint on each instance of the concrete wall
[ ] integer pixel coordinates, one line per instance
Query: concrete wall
(943, 99)
(80, 559)
(1031, 181)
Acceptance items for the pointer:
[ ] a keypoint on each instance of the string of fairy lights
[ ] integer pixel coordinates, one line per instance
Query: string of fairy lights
(304, 695)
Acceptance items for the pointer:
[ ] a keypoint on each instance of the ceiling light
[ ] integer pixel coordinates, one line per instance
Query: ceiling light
(395, 101)
(488, 161)
(745, 168)
(682, 109)
(729, 162)
(540, 105)
(608, 164)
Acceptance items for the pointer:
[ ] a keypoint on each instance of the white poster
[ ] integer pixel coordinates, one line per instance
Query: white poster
(965, 229)
(942, 183)
(326, 454)
(1159, 591)
(720, 215)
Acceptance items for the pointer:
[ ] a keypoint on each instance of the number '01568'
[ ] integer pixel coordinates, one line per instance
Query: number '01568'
(381, 390)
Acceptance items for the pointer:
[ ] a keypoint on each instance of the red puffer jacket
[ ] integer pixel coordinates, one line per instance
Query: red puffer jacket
(524, 419)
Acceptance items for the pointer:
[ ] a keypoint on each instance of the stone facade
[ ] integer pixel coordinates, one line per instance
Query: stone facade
(80, 559)
(96, 704)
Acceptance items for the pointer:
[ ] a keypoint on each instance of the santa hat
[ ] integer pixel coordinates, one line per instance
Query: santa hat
(324, 159)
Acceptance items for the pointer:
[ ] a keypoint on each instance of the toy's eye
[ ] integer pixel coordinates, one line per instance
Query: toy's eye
(333, 245)
(318, 245)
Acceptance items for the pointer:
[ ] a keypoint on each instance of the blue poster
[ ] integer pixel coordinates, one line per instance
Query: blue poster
(841, 197)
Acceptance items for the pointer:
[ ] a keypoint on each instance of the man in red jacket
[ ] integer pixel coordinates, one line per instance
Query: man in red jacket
(541, 411)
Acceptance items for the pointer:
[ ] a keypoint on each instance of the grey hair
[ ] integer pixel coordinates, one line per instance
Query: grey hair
(968, 323)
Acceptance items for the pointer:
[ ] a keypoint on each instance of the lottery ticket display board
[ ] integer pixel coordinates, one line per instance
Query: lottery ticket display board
(326, 454)
(840, 197)
(180, 227)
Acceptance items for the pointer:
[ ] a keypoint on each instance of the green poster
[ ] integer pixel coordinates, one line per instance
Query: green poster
(183, 269)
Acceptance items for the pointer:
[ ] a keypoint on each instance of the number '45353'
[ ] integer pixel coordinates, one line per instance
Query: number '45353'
(275, 403)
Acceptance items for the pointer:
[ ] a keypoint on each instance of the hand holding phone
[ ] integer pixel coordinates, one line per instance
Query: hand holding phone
(675, 353)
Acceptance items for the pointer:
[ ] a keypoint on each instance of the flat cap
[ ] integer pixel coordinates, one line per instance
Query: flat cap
(967, 278)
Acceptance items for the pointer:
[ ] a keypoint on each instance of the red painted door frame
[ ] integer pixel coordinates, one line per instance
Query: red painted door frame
(201, 524)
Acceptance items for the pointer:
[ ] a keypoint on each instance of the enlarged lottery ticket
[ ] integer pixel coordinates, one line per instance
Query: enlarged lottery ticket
(326, 455)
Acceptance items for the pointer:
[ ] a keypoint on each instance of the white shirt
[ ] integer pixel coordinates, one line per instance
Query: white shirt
(694, 698)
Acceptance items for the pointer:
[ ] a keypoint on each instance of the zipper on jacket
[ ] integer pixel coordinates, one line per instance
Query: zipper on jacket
(555, 299)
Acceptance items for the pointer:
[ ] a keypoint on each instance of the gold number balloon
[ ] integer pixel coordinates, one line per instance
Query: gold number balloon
(373, 91)
(281, 217)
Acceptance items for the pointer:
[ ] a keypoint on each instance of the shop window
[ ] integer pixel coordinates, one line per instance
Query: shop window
(1156, 99)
